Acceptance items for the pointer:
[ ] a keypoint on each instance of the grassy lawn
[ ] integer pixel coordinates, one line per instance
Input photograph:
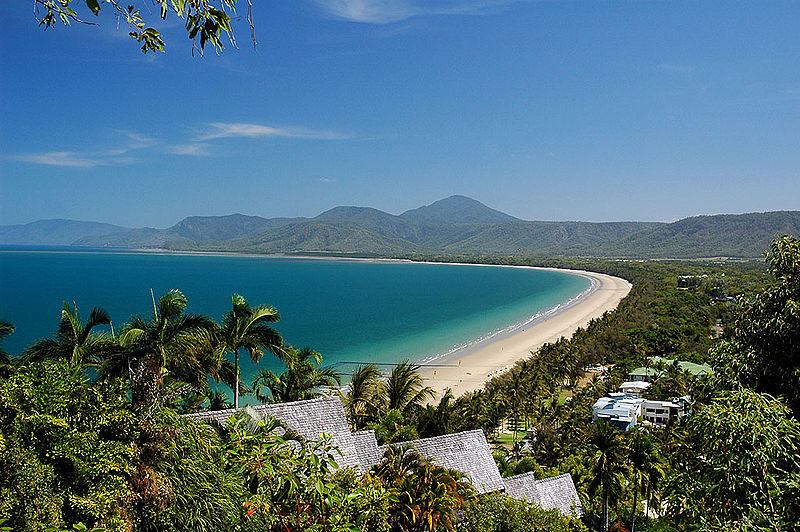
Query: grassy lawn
(507, 439)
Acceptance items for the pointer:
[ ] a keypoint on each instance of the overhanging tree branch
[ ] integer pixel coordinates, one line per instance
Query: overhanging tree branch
(205, 20)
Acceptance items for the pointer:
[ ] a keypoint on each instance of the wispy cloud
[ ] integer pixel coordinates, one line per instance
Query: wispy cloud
(197, 149)
(62, 158)
(388, 11)
(132, 142)
(220, 130)
(74, 159)
(327, 180)
(136, 140)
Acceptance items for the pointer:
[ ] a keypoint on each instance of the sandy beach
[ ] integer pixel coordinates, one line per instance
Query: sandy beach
(467, 370)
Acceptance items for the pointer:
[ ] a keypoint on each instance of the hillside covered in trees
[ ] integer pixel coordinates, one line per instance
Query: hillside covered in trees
(453, 225)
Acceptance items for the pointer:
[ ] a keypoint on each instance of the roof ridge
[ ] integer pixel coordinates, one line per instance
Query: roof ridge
(562, 475)
(521, 475)
(440, 436)
(264, 405)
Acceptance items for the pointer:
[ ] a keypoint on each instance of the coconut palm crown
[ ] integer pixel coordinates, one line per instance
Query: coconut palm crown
(75, 340)
(248, 328)
(303, 378)
(363, 400)
(170, 342)
(405, 390)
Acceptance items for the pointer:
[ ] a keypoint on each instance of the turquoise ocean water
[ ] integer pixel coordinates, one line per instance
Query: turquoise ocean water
(348, 311)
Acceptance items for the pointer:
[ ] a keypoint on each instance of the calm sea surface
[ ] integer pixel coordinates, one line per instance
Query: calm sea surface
(348, 311)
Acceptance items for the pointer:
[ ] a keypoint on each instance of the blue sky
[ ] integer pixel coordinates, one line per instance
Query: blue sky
(546, 110)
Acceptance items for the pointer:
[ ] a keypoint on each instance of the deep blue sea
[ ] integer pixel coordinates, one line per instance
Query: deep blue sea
(346, 310)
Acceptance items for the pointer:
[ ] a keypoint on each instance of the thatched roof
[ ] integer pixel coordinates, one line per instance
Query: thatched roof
(467, 452)
(367, 448)
(549, 493)
(310, 418)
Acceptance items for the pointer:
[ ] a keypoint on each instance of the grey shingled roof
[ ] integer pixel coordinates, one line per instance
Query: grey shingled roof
(467, 452)
(311, 418)
(367, 448)
(549, 493)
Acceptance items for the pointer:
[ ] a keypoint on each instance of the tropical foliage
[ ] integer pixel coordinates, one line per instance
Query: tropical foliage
(90, 431)
(425, 496)
(739, 467)
(498, 513)
(248, 328)
(75, 340)
(302, 379)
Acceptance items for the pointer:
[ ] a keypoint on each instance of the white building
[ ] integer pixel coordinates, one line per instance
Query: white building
(659, 412)
(619, 410)
(624, 411)
(636, 388)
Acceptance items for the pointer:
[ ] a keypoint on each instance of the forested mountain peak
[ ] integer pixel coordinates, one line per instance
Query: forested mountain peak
(218, 227)
(456, 224)
(54, 232)
(457, 209)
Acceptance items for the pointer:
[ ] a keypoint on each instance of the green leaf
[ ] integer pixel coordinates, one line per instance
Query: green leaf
(94, 6)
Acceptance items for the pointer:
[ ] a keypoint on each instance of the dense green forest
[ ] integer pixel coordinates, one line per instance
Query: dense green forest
(91, 432)
(452, 225)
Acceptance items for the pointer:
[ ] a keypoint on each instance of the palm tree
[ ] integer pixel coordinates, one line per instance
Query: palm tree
(646, 466)
(362, 401)
(404, 389)
(301, 380)
(425, 496)
(439, 419)
(515, 390)
(473, 410)
(169, 343)
(6, 364)
(218, 400)
(607, 463)
(399, 461)
(75, 341)
(248, 328)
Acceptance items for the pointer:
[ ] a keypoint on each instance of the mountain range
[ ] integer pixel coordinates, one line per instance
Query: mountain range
(454, 225)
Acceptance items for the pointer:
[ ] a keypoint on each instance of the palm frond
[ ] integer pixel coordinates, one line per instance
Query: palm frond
(45, 349)
(171, 305)
(6, 329)
(98, 316)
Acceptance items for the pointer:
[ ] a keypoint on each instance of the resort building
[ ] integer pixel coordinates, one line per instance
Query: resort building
(310, 419)
(624, 411)
(635, 388)
(619, 410)
(554, 493)
(652, 370)
(467, 452)
(659, 412)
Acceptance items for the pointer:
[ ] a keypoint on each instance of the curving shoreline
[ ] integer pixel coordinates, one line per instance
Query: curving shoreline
(468, 369)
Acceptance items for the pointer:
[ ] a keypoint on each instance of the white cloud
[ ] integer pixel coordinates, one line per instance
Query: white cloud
(374, 11)
(120, 154)
(188, 149)
(388, 11)
(327, 180)
(136, 140)
(116, 156)
(62, 158)
(221, 130)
